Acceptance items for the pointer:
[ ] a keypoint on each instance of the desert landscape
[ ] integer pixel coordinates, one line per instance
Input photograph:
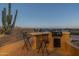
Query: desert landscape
(12, 45)
(35, 41)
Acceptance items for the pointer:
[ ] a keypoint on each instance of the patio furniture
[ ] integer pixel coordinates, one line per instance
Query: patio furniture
(26, 38)
(43, 44)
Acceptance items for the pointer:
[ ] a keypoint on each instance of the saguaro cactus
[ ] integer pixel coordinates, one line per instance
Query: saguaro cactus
(7, 24)
(4, 19)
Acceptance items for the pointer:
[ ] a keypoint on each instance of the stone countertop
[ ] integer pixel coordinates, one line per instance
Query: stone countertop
(39, 33)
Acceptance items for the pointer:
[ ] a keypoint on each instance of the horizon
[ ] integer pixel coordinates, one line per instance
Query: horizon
(45, 15)
(48, 27)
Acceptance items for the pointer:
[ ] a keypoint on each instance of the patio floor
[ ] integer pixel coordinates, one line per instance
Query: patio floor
(15, 49)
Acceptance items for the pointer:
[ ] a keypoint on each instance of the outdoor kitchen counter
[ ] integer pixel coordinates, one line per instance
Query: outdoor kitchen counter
(39, 33)
(39, 36)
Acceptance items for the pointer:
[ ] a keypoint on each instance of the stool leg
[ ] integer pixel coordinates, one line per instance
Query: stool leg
(43, 51)
(39, 48)
(47, 51)
(45, 47)
(25, 44)
(29, 42)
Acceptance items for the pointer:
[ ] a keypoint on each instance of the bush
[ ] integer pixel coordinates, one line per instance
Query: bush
(74, 33)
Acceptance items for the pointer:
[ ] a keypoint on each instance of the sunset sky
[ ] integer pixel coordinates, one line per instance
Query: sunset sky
(45, 15)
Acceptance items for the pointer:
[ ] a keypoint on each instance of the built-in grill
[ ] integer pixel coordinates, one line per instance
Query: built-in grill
(57, 39)
(57, 34)
(57, 42)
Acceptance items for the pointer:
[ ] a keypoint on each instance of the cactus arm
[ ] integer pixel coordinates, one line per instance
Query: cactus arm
(9, 16)
(9, 9)
(4, 19)
(14, 19)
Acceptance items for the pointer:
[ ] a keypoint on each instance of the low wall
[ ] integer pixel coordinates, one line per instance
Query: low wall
(69, 49)
(66, 48)
(72, 49)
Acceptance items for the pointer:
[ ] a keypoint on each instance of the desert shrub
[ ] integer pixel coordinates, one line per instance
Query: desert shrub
(74, 33)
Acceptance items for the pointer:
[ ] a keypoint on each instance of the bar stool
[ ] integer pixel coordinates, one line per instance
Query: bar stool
(26, 38)
(43, 45)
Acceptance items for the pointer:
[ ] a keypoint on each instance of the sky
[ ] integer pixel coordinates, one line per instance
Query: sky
(44, 15)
